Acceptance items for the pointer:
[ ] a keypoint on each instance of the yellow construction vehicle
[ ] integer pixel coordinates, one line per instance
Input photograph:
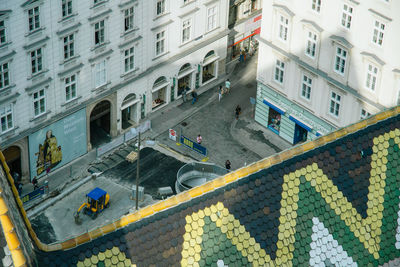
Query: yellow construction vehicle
(97, 201)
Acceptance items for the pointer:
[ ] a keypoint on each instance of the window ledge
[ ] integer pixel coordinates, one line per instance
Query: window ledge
(101, 87)
(99, 46)
(129, 74)
(40, 117)
(71, 102)
(67, 18)
(7, 90)
(160, 55)
(36, 75)
(188, 3)
(9, 133)
(5, 44)
(69, 60)
(128, 32)
(35, 31)
(99, 4)
(161, 15)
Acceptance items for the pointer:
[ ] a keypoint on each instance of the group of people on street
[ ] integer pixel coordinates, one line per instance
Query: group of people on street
(222, 91)
(194, 95)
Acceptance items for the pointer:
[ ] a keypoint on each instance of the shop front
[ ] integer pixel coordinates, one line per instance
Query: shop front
(129, 111)
(301, 130)
(210, 66)
(274, 116)
(185, 78)
(57, 144)
(159, 93)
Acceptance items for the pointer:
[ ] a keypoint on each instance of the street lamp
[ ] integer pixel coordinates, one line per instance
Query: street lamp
(131, 157)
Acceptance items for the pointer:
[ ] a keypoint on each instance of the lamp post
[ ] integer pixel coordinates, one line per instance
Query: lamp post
(137, 172)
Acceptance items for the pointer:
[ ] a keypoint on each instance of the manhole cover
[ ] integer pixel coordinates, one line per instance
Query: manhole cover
(184, 124)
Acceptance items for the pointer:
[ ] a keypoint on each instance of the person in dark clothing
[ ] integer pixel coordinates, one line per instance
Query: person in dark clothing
(227, 165)
(35, 183)
(238, 110)
(194, 95)
(18, 185)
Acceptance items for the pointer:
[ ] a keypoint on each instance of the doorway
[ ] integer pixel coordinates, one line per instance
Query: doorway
(100, 123)
(300, 134)
(129, 111)
(13, 159)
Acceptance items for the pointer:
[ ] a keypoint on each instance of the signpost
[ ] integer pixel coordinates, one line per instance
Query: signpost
(172, 134)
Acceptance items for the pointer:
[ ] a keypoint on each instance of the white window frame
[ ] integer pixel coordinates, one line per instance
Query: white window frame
(71, 87)
(4, 75)
(36, 60)
(161, 5)
(279, 72)
(283, 27)
(34, 18)
(66, 8)
(311, 44)
(212, 18)
(100, 32)
(69, 46)
(371, 77)
(186, 30)
(129, 19)
(316, 5)
(3, 32)
(340, 62)
(6, 118)
(347, 16)
(160, 41)
(40, 99)
(364, 114)
(100, 73)
(129, 59)
(334, 104)
(378, 32)
(306, 86)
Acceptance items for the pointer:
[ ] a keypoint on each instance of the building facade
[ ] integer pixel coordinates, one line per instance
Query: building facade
(75, 73)
(326, 64)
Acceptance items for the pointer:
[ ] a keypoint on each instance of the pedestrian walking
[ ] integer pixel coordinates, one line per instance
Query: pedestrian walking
(194, 95)
(199, 139)
(184, 92)
(238, 110)
(35, 183)
(227, 165)
(227, 86)
(242, 56)
(220, 91)
(18, 185)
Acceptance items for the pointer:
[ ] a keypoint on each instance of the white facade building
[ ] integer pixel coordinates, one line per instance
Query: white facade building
(326, 64)
(75, 72)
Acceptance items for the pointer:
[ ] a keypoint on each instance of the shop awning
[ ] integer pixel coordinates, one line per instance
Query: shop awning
(256, 31)
(274, 107)
(304, 125)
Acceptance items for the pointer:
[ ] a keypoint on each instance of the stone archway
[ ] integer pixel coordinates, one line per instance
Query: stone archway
(13, 159)
(185, 78)
(100, 123)
(209, 69)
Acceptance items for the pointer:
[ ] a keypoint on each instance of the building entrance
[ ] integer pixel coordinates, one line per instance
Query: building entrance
(100, 124)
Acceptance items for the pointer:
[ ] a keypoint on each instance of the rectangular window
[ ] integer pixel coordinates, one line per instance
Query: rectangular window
(100, 74)
(211, 18)
(6, 118)
(311, 44)
(372, 75)
(36, 61)
(69, 50)
(186, 30)
(128, 15)
(379, 30)
(316, 5)
(335, 104)
(306, 87)
(279, 71)
(66, 8)
(4, 75)
(33, 19)
(39, 102)
(364, 114)
(99, 33)
(70, 87)
(160, 7)
(283, 28)
(340, 60)
(3, 37)
(129, 59)
(160, 43)
(347, 16)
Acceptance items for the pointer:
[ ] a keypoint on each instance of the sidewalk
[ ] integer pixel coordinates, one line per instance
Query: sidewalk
(241, 141)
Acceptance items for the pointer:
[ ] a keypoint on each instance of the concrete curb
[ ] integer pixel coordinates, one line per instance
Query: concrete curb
(44, 205)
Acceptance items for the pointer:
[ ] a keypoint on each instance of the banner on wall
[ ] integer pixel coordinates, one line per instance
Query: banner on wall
(57, 144)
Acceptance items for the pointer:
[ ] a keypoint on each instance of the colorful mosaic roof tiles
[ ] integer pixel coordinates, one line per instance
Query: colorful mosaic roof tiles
(335, 205)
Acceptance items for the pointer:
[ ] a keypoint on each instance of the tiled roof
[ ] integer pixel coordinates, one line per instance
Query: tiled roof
(333, 201)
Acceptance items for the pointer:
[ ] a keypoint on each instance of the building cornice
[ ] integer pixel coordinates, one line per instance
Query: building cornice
(162, 25)
(189, 12)
(9, 98)
(7, 56)
(34, 86)
(37, 43)
(69, 29)
(373, 57)
(380, 15)
(100, 15)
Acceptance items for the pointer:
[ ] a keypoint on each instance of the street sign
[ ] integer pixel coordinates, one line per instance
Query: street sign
(193, 145)
(172, 134)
